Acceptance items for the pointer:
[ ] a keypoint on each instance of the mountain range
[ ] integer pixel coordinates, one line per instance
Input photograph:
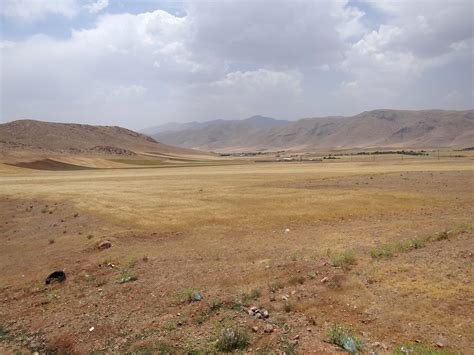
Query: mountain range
(367, 130)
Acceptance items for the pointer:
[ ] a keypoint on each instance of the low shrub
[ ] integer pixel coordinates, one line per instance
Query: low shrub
(343, 337)
(232, 339)
(345, 259)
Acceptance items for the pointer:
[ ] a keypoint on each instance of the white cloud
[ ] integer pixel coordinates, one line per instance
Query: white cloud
(415, 39)
(29, 11)
(260, 80)
(96, 6)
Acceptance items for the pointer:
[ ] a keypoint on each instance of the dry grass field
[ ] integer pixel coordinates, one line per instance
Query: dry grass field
(382, 247)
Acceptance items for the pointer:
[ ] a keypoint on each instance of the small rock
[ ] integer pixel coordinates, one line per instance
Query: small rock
(293, 292)
(268, 328)
(308, 329)
(196, 297)
(324, 279)
(285, 297)
(250, 312)
(104, 245)
(441, 342)
(287, 230)
(265, 313)
(91, 329)
(258, 316)
(296, 337)
(253, 309)
(255, 329)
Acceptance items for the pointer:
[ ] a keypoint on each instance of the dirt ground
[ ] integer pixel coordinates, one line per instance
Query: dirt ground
(263, 235)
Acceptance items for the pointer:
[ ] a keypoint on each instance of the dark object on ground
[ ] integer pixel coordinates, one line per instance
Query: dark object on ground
(104, 245)
(57, 276)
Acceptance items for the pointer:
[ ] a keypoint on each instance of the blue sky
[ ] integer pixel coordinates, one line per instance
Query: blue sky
(142, 63)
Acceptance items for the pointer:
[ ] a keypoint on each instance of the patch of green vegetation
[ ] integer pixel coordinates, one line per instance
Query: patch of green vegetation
(343, 337)
(231, 339)
(420, 349)
(127, 276)
(215, 304)
(253, 295)
(345, 259)
(391, 249)
(186, 295)
(51, 240)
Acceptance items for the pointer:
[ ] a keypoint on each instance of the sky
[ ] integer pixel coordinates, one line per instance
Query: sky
(140, 63)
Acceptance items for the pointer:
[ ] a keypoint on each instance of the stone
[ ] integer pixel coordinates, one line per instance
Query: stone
(268, 328)
(265, 313)
(324, 279)
(441, 342)
(104, 245)
(255, 329)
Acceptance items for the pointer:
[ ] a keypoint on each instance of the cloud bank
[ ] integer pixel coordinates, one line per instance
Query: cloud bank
(233, 59)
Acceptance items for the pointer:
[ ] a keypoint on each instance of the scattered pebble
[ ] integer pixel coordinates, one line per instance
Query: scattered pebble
(258, 313)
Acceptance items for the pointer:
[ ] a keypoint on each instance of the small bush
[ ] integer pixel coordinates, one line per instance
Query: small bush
(343, 337)
(288, 307)
(383, 251)
(127, 276)
(344, 259)
(252, 296)
(51, 240)
(186, 295)
(232, 339)
(215, 304)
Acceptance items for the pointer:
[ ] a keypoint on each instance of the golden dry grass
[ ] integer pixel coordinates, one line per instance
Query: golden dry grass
(221, 230)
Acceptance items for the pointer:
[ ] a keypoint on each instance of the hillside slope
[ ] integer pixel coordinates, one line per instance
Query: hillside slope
(79, 138)
(371, 129)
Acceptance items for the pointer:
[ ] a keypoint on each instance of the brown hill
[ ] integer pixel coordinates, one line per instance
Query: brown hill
(49, 137)
(372, 129)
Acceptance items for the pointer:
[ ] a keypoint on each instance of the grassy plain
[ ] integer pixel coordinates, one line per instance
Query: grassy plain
(264, 235)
